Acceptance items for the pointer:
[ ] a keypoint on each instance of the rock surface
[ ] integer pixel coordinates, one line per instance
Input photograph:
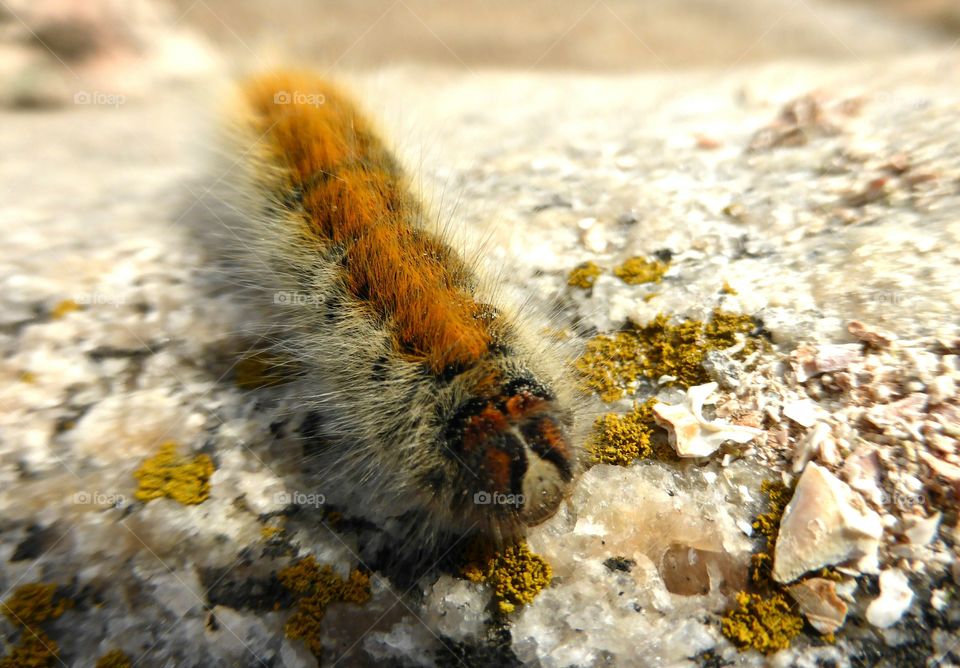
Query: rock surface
(111, 345)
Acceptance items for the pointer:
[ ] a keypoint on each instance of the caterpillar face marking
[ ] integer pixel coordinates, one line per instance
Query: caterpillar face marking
(514, 444)
(424, 389)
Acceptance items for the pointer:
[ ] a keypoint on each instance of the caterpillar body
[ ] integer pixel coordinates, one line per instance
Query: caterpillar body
(434, 395)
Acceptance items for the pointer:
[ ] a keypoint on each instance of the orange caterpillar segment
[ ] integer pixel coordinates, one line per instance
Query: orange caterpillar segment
(355, 195)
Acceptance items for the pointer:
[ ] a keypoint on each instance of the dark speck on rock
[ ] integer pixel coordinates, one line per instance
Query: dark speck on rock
(620, 564)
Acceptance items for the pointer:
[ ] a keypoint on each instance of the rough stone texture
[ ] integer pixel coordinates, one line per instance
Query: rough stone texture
(568, 169)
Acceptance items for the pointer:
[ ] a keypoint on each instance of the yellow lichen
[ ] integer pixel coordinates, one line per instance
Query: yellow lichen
(764, 620)
(32, 604)
(727, 289)
(584, 275)
(270, 532)
(638, 270)
(611, 365)
(169, 474)
(516, 574)
(114, 659)
(29, 606)
(63, 308)
(768, 523)
(764, 624)
(620, 439)
(35, 650)
(317, 587)
(27, 377)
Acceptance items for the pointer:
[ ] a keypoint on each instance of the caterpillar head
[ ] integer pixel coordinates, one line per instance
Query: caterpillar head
(511, 440)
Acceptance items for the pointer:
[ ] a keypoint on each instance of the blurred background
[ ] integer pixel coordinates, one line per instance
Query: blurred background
(124, 45)
(576, 34)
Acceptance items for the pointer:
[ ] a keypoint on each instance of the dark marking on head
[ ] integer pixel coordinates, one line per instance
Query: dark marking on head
(529, 385)
(457, 423)
(546, 440)
(450, 372)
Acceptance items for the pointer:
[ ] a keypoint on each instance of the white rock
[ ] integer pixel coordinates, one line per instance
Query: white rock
(819, 603)
(942, 389)
(921, 530)
(862, 471)
(895, 597)
(825, 523)
(803, 412)
(811, 445)
(691, 435)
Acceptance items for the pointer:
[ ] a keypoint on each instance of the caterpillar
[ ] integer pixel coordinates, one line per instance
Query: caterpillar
(429, 392)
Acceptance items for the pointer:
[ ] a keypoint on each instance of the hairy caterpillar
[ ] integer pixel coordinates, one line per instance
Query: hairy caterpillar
(431, 394)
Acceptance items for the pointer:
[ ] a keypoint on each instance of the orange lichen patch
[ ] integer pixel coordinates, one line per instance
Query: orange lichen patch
(768, 523)
(584, 275)
(622, 439)
(35, 650)
(63, 308)
(762, 618)
(516, 574)
(29, 606)
(354, 194)
(270, 532)
(317, 587)
(764, 624)
(168, 474)
(34, 603)
(612, 364)
(114, 659)
(639, 270)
